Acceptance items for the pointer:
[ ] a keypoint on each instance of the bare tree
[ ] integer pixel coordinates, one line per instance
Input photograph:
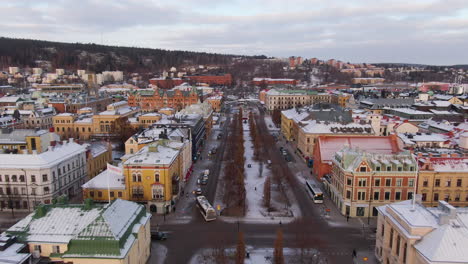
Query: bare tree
(278, 257)
(240, 250)
(267, 193)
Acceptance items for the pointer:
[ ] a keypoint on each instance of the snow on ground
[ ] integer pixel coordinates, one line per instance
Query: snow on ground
(257, 256)
(269, 122)
(159, 253)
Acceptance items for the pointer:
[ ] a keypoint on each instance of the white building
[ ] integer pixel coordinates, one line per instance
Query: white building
(13, 70)
(412, 233)
(37, 71)
(27, 180)
(60, 72)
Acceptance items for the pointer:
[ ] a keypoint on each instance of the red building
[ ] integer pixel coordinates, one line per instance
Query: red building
(222, 79)
(150, 101)
(327, 146)
(271, 81)
(166, 83)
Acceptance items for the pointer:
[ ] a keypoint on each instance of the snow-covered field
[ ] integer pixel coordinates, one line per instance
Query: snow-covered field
(258, 256)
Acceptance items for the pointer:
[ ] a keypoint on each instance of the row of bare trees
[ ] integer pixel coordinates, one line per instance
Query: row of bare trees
(234, 189)
(255, 134)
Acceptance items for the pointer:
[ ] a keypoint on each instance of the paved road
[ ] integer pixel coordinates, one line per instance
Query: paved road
(334, 241)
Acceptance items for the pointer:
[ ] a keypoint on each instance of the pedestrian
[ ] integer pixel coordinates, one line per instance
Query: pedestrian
(255, 188)
(354, 253)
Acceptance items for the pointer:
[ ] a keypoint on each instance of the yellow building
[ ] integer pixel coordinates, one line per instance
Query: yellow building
(286, 124)
(103, 124)
(215, 102)
(153, 174)
(443, 178)
(106, 186)
(19, 140)
(98, 156)
(145, 120)
(83, 234)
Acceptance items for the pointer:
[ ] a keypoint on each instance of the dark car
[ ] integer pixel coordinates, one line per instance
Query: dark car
(198, 191)
(159, 235)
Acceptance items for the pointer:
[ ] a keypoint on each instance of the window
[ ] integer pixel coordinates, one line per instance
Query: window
(46, 190)
(383, 230)
(404, 253)
(21, 178)
(376, 195)
(398, 182)
(0, 178)
(447, 197)
(7, 178)
(1, 190)
(425, 183)
(400, 169)
(348, 194)
(398, 245)
(391, 238)
(387, 195)
(397, 195)
(349, 181)
(388, 182)
(112, 194)
(44, 177)
(33, 178)
(360, 211)
(362, 169)
(377, 168)
(91, 193)
(56, 249)
(410, 195)
(436, 197)
(437, 182)
(99, 194)
(14, 178)
(156, 177)
(23, 190)
(361, 195)
(377, 182)
(37, 248)
(448, 183)
(411, 182)
(120, 194)
(362, 182)
(459, 182)
(457, 197)
(389, 168)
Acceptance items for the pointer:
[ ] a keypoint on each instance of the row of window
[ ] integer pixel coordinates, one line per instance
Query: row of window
(362, 182)
(447, 198)
(15, 191)
(99, 194)
(388, 168)
(137, 177)
(448, 183)
(377, 196)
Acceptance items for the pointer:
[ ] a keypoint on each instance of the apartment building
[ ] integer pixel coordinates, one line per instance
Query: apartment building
(117, 233)
(27, 180)
(152, 101)
(408, 232)
(22, 141)
(443, 178)
(361, 181)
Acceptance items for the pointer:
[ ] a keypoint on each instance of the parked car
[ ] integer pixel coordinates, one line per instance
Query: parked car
(249, 165)
(159, 235)
(204, 181)
(198, 191)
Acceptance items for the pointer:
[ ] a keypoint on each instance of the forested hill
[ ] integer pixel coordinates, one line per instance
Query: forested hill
(93, 57)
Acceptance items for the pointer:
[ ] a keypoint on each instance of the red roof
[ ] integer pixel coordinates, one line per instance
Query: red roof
(329, 145)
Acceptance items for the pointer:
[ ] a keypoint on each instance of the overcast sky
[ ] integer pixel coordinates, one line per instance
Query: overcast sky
(416, 31)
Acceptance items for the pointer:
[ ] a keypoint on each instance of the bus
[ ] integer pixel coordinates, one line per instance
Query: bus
(315, 192)
(206, 209)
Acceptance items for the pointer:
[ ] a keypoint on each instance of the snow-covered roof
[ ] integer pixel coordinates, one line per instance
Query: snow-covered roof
(119, 111)
(154, 154)
(450, 164)
(46, 159)
(422, 137)
(64, 223)
(9, 99)
(104, 180)
(12, 253)
(337, 128)
(441, 103)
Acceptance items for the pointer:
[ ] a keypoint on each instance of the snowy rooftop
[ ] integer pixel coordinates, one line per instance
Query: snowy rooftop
(422, 137)
(12, 255)
(154, 154)
(450, 164)
(64, 223)
(447, 241)
(45, 159)
(106, 179)
(119, 111)
(316, 127)
(98, 148)
(9, 99)
(410, 111)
